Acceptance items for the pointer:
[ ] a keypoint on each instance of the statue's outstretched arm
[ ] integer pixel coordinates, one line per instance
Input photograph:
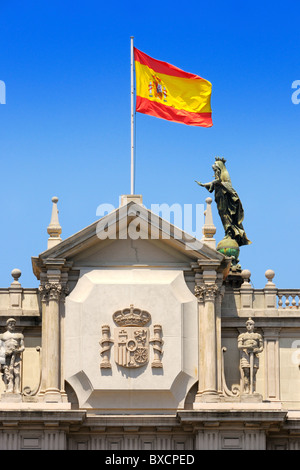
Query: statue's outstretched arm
(208, 186)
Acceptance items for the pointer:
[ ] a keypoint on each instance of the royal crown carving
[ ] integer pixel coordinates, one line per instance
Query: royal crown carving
(131, 317)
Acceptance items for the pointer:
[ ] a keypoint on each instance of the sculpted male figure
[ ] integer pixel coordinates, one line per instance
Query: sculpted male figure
(11, 346)
(250, 345)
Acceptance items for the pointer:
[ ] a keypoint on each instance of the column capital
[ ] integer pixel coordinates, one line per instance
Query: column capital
(53, 291)
(205, 292)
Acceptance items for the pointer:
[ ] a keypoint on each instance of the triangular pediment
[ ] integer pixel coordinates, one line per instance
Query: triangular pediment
(129, 235)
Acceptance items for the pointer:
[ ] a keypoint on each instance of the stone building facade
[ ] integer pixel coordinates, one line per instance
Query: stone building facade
(132, 342)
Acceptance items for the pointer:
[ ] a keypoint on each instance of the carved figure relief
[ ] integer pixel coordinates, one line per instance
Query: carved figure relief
(11, 348)
(131, 340)
(250, 345)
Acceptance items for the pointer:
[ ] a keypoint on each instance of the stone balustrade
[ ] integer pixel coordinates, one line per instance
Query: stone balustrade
(268, 301)
(288, 298)
(19, 301)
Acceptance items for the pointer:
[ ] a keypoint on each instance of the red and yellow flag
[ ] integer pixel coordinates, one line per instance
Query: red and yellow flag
(168, 92)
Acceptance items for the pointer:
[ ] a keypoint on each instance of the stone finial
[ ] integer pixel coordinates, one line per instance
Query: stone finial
(270, 291)
(16, 273)
(246, 274)
(54, 228)
(15, 293)
(208, 228)
(269, 275)
(246, 290)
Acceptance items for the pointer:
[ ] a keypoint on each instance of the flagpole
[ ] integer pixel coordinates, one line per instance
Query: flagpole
(132, 118)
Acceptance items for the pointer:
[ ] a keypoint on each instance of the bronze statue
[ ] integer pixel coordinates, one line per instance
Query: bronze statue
(228, 203)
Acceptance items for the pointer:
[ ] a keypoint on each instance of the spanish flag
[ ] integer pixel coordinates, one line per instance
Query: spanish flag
(167, 92)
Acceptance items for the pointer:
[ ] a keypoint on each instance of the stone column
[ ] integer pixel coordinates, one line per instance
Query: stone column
(44, 336)
(207, 364)
(219, 298)
(53, 292)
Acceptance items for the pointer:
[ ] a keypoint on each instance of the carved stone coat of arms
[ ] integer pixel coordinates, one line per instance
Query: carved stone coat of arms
(131, 346)
(131, 340)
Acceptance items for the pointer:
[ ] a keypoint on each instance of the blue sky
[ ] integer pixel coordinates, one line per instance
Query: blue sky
(65, 127)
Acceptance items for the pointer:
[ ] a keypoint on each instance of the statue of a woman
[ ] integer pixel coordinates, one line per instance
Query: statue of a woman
(228, 203)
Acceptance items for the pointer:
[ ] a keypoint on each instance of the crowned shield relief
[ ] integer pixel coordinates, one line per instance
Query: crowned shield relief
(131, 346)
(131, 340)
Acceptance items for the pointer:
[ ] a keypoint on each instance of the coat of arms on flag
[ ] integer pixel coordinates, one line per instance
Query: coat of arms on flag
(157, 88)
